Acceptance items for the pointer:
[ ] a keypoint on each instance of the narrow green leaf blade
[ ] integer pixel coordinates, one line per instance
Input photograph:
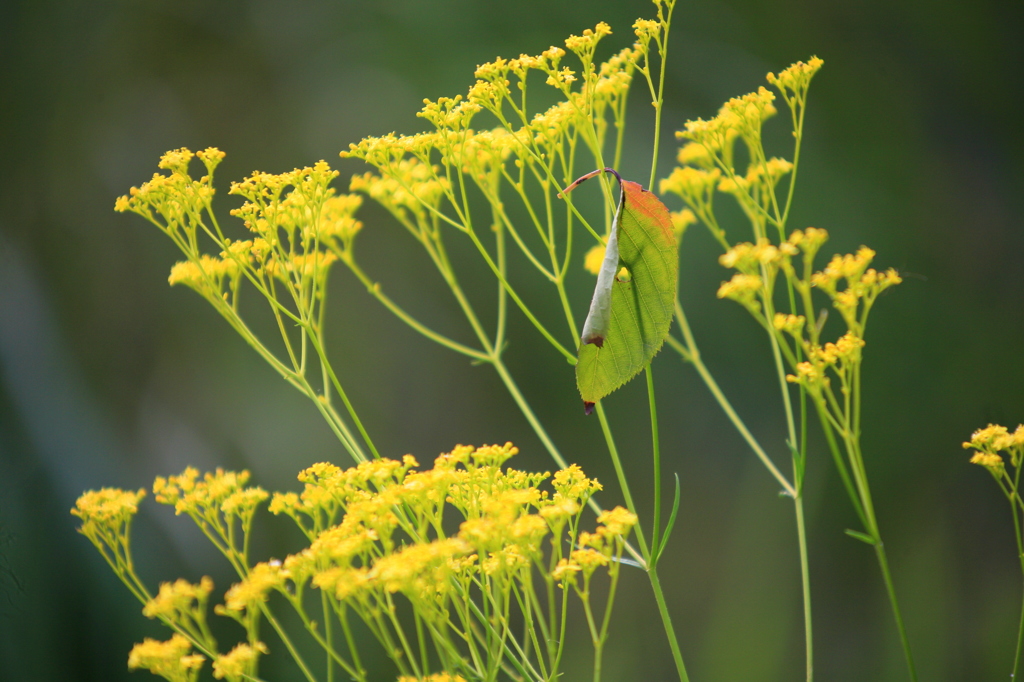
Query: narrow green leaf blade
(863, 537)
(641, 306)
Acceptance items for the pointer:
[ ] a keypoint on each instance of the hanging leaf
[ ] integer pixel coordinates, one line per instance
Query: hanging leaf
(631, 310)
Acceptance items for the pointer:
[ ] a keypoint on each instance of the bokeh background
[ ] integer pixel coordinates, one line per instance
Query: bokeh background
(109, 377)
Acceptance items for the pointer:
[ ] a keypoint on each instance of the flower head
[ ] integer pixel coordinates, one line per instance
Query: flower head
(239, 662)
(170, 660)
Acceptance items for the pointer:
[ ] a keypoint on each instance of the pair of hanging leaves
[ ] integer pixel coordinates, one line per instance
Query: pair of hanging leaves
(629, 316)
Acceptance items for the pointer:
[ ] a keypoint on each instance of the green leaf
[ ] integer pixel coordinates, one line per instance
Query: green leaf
(629, 317)
(863, 537)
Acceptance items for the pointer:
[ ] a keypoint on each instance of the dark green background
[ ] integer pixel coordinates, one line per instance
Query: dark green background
(109, 377)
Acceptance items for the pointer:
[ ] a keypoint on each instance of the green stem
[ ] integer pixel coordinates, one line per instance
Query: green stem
(805, 579)
(651, 568)
(656, 541)
(663, 58)
(1013, 497)
(691, 353)
(666, 621)
(287, 643)
(891, 590)
(524, 407)
(620, 473)
(374, 289)
(1020, 641)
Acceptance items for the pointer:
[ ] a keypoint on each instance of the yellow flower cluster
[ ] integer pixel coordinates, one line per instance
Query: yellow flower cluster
(299, 222)
(706, 160)
(106, 520)
(694, 185)
(206, 275)
(536, 142)
(791, 324)
(595, 549)
(586, 43)
(178, 598)
(170, 660)
(107, 508)
(615, 75)
(993, 439)
(408, 188)
(223, 491)
(863, 284)
(758, 175)
(739, 117)
(794, 81)
(749, 258)
(449, 113)
(845, 352)
(360, 559)
(174, 200)
(743, 289)
(238, 663)
(363, 559)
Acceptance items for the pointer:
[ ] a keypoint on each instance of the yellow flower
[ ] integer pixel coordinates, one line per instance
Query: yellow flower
(565, 571)
(450, 113)
(553, 55)
(211, 158)
(178, 597)
(992, 438)
(791, 324)
(176, 160)
(682, 220)
(716, 135)
(746, 114)
(616, 74)
(217, 491)
(572, 484)
(563, 77)
(696, 154)
(109, 507)
(508, 559)
(595, 256)
(748, 258)
(589, 559)
(343, 543)
(418, 569)
(409, 186)
(694, 185)
(741, 288)
(345, 583)
(494, 455)
(206, 275)
(806, 374)
(170, 659)
(559, 511)
(645, 29)
(253, 590)
(796, 77)
(238, 662)
(988, 460)
(585, 44)
(617, 522)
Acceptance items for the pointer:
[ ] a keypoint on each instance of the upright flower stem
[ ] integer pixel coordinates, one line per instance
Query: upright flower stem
(649, 565)
(890, 589)
(805, 579)
(656, 541)
(691, 353)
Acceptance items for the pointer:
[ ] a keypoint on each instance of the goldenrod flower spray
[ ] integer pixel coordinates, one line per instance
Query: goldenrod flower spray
(379, 554)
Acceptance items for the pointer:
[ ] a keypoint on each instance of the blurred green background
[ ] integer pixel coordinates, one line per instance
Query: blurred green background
(109, 377)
